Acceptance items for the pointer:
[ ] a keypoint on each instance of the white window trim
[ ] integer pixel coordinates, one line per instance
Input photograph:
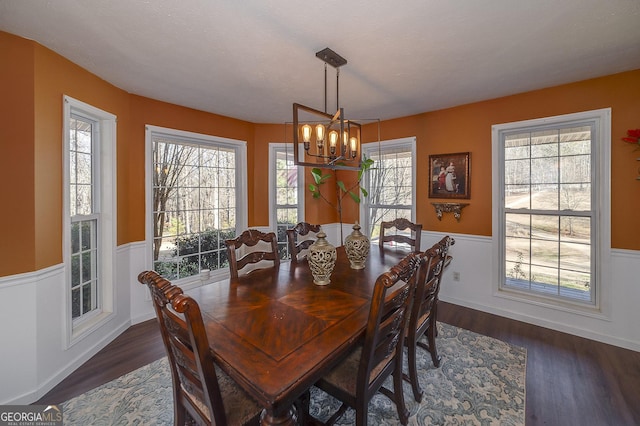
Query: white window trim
(602, 186)
(241, 185)
(106, 180)
(380, 147)
(273, 220)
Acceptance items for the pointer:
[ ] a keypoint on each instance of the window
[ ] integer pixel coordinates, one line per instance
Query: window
(286, 200)
(89, 206)
(390, 183)
(84, 215)
(197, 200)
(552, 206)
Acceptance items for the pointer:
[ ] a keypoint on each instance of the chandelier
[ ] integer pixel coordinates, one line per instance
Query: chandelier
(328, 141)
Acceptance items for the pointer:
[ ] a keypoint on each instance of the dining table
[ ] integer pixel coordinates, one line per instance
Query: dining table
(276, 333)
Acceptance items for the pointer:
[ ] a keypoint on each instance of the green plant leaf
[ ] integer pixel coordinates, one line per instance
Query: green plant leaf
(365, 165)
(317, 174)
(319, 178)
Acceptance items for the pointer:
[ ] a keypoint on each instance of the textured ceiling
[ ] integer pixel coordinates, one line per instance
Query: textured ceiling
(251, 59)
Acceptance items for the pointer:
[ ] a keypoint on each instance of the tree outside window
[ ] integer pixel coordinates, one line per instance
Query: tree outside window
(194, 206)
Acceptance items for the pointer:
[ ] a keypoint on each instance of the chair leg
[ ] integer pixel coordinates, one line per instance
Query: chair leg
(431, 338)
(398, 393)
(362, 412)
(435, 317)
(331, 420)
(180, 415)
(413, 370)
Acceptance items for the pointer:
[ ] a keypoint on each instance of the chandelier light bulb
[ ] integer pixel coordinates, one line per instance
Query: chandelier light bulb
(320, 136)
(345, 142)
(306, 133)
(333, 141)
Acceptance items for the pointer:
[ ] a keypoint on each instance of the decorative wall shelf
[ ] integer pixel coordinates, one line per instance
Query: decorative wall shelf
(455, 208)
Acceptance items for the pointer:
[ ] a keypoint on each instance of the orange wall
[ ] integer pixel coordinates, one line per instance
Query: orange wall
(17, 155)
(468, 128)
(34, 80)
(55, 76)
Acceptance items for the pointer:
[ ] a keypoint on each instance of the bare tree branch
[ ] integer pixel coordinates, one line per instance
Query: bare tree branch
(169, 162)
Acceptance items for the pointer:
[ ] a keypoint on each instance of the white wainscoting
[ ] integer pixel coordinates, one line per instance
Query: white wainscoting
(34, 358)
(18, 316)
(141, 307)
(475, 289)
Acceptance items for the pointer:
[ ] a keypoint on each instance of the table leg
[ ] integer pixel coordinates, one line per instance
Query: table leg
(287, 418)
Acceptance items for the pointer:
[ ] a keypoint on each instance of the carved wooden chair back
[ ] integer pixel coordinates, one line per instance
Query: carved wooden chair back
(242, 250)
(401, 224)
(423, 318)
(297, 249)
(198, 386)
(357, 379)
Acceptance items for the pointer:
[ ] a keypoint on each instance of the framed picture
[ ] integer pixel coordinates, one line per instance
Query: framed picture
(449, 174)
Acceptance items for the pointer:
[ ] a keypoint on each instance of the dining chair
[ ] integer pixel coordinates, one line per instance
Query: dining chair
(302, 229)
(356, 379)
(400, 224)
(202, 392)
(242, 250)
(423, 317)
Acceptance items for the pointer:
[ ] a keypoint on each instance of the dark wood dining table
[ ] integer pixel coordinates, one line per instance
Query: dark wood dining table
(276, 333)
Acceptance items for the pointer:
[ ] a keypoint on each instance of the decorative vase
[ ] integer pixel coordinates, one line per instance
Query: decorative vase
(322, 259)
(357, 247)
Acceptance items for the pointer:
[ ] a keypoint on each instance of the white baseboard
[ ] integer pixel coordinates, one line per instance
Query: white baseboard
(142, 318)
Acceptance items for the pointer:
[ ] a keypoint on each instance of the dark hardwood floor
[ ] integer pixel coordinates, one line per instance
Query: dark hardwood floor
(570, 380)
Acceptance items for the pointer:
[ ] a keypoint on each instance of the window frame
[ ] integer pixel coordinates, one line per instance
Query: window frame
(274, 149)
(240, 148)
(600, 206)
(104, 212)
(379, 148)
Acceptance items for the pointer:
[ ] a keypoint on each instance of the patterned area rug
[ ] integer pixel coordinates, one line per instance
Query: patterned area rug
(481, 381)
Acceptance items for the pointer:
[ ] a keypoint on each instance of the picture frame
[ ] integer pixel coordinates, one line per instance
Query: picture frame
(449, 175)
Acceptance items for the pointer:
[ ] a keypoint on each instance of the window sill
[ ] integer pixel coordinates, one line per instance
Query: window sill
(85, 328)
(592, 311)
